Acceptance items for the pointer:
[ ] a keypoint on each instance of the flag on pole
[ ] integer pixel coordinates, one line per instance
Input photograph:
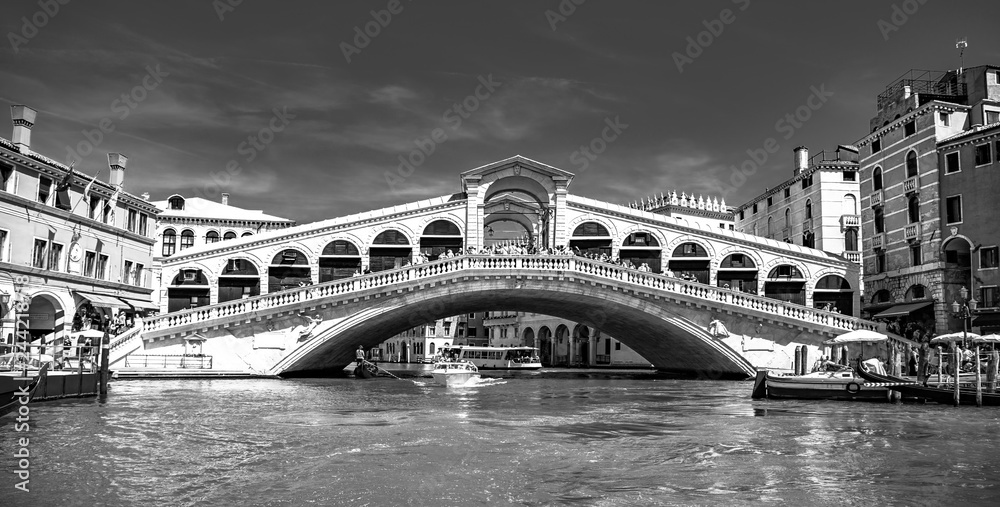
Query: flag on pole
(66, 182)
(112, 203)
(86, 190)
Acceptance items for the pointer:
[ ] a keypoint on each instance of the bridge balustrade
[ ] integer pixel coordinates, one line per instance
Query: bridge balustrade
(556, 264)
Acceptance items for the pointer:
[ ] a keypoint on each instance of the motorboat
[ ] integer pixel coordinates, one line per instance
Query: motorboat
(494, 358)
(454, 373)
(842, 383)
(832, 382)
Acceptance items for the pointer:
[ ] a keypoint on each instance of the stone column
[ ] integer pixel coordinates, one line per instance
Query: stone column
(473, 213)
(558, 223)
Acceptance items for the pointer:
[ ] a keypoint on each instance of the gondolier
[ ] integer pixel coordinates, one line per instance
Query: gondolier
(360, 355)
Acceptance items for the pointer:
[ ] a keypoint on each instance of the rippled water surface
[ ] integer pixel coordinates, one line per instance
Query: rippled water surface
(533, 439)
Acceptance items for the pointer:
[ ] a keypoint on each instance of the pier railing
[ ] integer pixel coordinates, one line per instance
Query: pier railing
(525, 264)
(168, 361)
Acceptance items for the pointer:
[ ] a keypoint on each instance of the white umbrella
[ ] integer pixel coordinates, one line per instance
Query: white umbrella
(989, 338)
(954, 337)
(858, 336)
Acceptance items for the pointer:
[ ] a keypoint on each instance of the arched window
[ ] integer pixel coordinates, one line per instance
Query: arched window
(809, 209)
(341, 247)
(229, 235)
(169, 242)
(591, 229)
(882, 296)
(877, 179)
(442, 228)
(911, 164)
(391, 237)
(851, 240)
(290, 256)
(245, 234)
(913, 209)
(850, 204)
(788, 219)
(175, 202)
(769, 225)
(879, 221)
(690, 250)
(212, 237)
(833, 282)
(785, 271)
(187, 239)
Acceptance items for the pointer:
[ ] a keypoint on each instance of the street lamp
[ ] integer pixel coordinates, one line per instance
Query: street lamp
(964, 310)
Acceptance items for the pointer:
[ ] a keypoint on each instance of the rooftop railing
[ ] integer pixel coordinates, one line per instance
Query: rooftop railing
(933, 82)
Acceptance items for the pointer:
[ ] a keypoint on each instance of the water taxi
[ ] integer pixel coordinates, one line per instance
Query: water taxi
(454, 373)
(495, 358)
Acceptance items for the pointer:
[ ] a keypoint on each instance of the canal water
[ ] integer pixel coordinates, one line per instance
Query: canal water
(542, 438)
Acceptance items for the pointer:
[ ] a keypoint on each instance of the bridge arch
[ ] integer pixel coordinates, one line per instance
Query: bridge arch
(189, 286)
(641, 246)
(738, 270)
(390, 248)
(521, 220)
(539, 187)
(836, 291)
(239, 278)
(441, 235)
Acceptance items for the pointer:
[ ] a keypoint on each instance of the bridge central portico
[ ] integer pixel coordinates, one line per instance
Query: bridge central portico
(243, 293)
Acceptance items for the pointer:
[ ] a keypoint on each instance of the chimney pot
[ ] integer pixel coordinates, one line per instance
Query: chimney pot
(23, 118)
(117, 163)
(225, 199)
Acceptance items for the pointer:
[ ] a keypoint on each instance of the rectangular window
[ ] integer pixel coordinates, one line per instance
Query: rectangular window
(915, 258)
(992, 117)
(106, 216)
(951, 163)
(3, 245)
(127, 272)
(38, 255)
(89, 264)
(788, 192)
(95, 206)
(618, 345)
(880, 262)
(743, 214)
(953, 206)
(850, 176)
(102, 267)
(945, 119)
(140, 275)
(143, 224)
(807, 182)
(909, 128)
(55, 257)
(754, 208)
(988, 257)
(6, 174)
(44, 189)
(989, 297)
(133, 220)
(983, 154)
(876, 145)
(770, 201)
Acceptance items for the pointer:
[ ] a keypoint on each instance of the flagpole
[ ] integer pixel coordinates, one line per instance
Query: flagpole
(86, 188)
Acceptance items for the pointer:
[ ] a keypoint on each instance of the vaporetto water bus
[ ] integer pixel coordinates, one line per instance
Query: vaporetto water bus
(495, 358)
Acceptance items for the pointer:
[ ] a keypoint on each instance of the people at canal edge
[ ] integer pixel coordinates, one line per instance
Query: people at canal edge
(360, 355)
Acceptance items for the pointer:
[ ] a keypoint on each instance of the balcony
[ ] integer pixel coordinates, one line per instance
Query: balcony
(807, 225)
(875, 198)
(853, 256)
(850, 221)
(878, 240)
(911, 185)
(912, 232)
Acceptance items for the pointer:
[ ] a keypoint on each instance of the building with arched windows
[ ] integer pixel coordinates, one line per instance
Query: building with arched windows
(187, 222)
(73, 247)
(929, 175)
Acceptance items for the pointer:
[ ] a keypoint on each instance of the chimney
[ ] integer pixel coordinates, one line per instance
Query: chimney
(225, 198)
(117, 162)
(23, 118)
(801, 159)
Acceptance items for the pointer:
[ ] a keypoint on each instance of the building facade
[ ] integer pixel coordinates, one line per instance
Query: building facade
(72, 246)
(818, 207)
(188, 222)
(421, 343)
(925, 182)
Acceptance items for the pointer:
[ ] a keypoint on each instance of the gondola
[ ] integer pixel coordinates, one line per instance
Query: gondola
(366, 370)
(10, 401)
(936, 394)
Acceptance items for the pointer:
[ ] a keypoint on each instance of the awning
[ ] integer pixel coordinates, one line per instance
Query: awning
(102, 300)
(902, 309)
(139, 304)
(986, 319)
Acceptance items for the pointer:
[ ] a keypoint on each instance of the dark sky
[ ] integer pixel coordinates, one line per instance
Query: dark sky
(554, 90)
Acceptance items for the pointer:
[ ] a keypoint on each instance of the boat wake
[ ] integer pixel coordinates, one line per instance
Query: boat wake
(473, 382)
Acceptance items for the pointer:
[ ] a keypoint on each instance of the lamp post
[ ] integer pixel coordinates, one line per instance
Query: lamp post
(963, 310)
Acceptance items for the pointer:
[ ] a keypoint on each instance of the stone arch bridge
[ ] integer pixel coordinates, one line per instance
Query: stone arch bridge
(290, 301)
